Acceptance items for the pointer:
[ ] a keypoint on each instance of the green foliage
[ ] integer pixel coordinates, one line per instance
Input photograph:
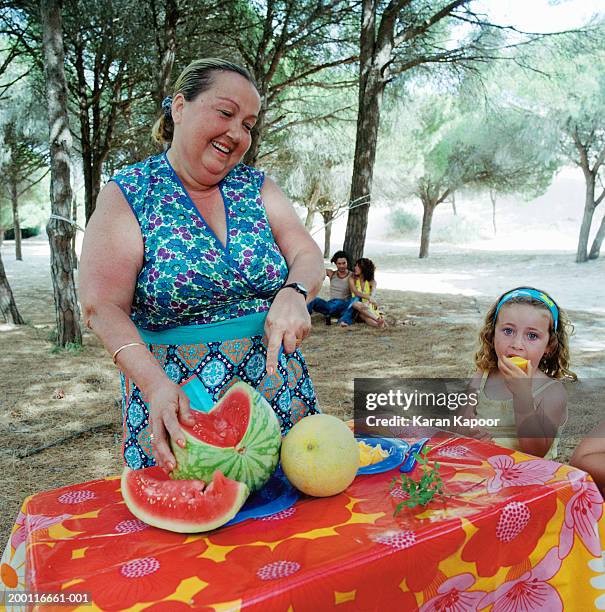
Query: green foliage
(420, 492)
(402, 222)
(456, 230)
(26, 232)
(71, 348)
(23, 151)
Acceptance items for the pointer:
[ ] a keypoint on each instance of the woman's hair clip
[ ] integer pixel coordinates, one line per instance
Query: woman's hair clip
(167, 106)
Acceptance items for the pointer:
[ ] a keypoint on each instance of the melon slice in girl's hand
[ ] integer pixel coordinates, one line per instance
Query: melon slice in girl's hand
(240, 436)
(519, 362)
(184, 506)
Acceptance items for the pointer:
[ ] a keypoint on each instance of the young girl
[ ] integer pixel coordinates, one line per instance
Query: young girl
(363, 288)
(527, 399)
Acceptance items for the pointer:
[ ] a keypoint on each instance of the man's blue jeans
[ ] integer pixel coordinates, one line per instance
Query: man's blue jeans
(349, 313)
(328, 308)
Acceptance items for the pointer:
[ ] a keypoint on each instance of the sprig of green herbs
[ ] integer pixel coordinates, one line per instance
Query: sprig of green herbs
(420, 492)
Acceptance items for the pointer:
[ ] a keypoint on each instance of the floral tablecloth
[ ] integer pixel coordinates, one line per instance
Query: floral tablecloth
(513, 533)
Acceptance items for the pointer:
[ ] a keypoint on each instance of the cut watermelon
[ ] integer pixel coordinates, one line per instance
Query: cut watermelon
(184, 506)
(240, 436)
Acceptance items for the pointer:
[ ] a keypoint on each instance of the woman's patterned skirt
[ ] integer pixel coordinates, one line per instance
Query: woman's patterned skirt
(206, 360)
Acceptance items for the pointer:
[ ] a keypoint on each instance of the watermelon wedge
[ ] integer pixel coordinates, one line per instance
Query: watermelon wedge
(184, 506)
(240, 436)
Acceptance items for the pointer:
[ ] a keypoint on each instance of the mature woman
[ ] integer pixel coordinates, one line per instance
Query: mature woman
(195, 270)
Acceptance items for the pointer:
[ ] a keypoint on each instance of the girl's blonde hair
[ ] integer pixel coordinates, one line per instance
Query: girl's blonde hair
(194, 80)
(555, 361)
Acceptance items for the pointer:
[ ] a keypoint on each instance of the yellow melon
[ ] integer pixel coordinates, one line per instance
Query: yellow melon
(519, 362)
(368, 454)
(320, 456)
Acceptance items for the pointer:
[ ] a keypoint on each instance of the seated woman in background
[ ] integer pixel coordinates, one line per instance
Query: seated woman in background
(590, 455)
(363, 288)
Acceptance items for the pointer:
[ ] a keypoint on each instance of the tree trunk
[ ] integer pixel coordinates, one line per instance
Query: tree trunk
(167, 51)
(253, 152)
(327, 216)
(309, 219)
(8, 308)
(427, 220)
(60, 232)
(492, 197)
(454, 205)
(16, 221)
(366, 139)
(374, 58)
(95, 186)
(595, 250)
(74, 218)
(589, 208)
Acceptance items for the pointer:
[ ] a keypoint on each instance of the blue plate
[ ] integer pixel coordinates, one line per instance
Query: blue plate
(397, 452)
(277, 495)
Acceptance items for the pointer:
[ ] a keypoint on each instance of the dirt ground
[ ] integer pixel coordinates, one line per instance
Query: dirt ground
(60, 414)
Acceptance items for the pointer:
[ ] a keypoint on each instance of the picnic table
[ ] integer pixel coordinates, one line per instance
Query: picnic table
(512, 532)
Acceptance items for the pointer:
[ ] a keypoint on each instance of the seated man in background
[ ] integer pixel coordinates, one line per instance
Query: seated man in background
(340, 293)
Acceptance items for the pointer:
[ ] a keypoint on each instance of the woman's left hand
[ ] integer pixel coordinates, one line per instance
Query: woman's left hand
(288, 324)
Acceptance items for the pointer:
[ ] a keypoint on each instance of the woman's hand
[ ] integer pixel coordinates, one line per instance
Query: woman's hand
(288, 324)
(167, 404)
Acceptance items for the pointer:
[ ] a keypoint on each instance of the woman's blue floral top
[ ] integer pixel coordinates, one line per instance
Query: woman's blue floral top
(188, 277)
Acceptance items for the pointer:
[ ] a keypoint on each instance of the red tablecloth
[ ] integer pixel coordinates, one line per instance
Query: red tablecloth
(513, 533)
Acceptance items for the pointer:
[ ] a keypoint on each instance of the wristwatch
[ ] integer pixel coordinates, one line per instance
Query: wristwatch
(300, 288)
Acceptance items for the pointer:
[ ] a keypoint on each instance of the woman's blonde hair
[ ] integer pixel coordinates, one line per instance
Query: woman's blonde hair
(555, 361)
(194, 80)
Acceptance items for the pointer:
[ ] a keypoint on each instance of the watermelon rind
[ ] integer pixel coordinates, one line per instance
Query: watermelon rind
(252, 461)
(185, 506)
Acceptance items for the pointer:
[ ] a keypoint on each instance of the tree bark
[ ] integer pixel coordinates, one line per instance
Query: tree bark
(427, 220)
(8, 307)
(492, 197)
(253, 152)
(166, 41)
(454, 204)
(328, 216)
(595, 250)
(74, 218)
(60, 232)
(589, 208)
(16, 221)
(97, 121)
(374, 56)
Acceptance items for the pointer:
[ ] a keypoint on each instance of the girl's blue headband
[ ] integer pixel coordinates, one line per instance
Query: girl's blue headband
(527, 292)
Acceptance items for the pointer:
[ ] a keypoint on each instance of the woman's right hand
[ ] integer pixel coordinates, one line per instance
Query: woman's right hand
(167, 405)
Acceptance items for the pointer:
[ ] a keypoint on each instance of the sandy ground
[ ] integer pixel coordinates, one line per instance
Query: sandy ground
(68, 400)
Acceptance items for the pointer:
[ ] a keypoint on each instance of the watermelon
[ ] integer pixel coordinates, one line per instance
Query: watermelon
(240, 436)
(184, 506)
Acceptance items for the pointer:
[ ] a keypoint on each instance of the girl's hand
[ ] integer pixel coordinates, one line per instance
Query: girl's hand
(167, 404)
(517, 380)
(288, 324)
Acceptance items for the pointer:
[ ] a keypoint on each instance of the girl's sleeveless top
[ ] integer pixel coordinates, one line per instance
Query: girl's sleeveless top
(367, 288)
(506, 432)
(188, 276)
